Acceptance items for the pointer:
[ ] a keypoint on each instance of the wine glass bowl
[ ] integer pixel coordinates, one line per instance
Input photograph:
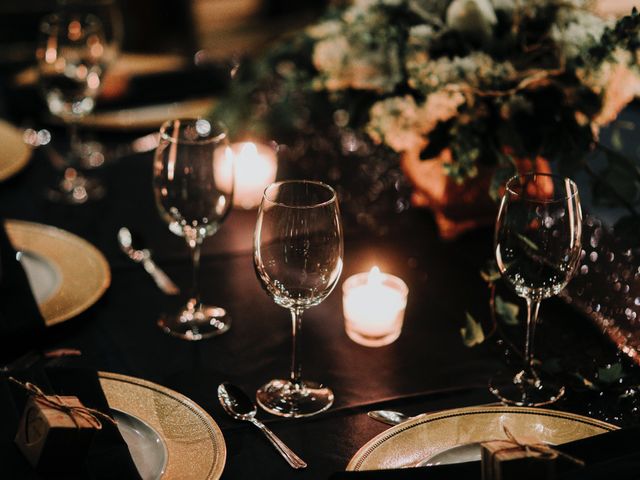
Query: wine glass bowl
(194, 192)
(298, 251)
(537, 247)
(70, 60)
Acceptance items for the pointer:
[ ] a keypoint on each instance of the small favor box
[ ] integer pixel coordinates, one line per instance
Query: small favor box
(51, 439)
(504, 460)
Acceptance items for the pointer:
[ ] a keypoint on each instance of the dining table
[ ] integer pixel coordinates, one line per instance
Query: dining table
(427, 369)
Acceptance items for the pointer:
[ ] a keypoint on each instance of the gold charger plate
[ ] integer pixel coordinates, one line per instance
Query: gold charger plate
(149, 117)
(82, 273)
(14, 154)
(415, 441)
(195, 445)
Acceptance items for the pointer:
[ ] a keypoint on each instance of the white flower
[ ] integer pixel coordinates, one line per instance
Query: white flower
(397, 122)
(477, 70)
(473, 18)
(441, 106)
(615, 82)
(360, 51)
(345, 63)
(504, 5)
(325, 29)
(577, 30)
(367, 4)
(402, 124)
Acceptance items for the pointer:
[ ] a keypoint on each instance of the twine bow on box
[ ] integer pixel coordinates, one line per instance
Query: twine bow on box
(543, 450)
(91, 415)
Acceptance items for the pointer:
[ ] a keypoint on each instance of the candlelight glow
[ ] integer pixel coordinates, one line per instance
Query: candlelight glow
(255, 167)
(375, 277)
(373, 306)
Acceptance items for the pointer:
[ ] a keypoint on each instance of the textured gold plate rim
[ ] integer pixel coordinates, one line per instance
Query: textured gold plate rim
(84, 271)
(131, 389)
(148, 116)
(392, 434)
(15, 154)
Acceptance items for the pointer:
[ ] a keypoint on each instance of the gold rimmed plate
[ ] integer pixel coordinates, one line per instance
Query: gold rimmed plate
(66, 273)
(192, 442)
(454, 436)
(149, 117)
(14, 154)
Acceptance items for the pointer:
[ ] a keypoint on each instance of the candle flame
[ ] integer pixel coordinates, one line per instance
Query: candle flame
(375, 277)
(249, 150)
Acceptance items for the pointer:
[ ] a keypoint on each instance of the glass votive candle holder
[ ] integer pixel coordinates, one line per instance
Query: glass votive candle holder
(256, 166)
(373, 304)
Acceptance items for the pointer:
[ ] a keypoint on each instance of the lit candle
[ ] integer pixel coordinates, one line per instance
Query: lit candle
(373, 304)
(256, 166)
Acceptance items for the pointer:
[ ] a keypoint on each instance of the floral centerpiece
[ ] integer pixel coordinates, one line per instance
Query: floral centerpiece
(464, 92)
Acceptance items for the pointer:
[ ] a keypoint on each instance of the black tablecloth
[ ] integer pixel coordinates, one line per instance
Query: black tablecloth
(427, 368)
(21, 324)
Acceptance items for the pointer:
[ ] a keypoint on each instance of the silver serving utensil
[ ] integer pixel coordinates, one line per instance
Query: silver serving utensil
(143, 256)
(393, 418)
(389, 417)
(239, 406)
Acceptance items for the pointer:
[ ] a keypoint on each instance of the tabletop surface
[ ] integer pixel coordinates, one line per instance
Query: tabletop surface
(427, 368)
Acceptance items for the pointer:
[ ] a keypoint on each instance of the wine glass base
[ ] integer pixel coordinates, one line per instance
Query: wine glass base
(511, 390)
(283, 398)
(196, 324)
(76, 189)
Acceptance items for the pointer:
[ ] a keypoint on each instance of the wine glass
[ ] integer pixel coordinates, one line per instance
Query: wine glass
(91, 151)
(537, 247)
(72, 58)
(298, 251)
(193, 186)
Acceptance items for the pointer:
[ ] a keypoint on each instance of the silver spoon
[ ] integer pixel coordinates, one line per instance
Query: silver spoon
(125, 240)
(238, 405)
(389, 417)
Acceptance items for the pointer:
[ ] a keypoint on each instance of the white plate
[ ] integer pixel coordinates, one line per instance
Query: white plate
(148, 450)
(43, 276)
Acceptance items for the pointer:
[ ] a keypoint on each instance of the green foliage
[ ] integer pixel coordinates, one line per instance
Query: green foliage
(585, 381)
(620, 180)
(523, 82)
(490, 272)
(507, 311)
(472, 333)
(611, 374)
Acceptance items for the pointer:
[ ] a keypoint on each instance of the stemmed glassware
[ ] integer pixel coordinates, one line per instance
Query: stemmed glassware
(193, 186)
(72, 57)
(298, 250)
(537, 248)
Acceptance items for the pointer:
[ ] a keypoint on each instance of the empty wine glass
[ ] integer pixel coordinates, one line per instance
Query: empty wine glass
(298, 251)
(72, 58)
(91, 151)
(193, 186)
(537, 248)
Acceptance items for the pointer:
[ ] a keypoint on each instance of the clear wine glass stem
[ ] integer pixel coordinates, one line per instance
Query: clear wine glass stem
(195, 246)
(296, 366)
(533, 307)
(75, 145)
